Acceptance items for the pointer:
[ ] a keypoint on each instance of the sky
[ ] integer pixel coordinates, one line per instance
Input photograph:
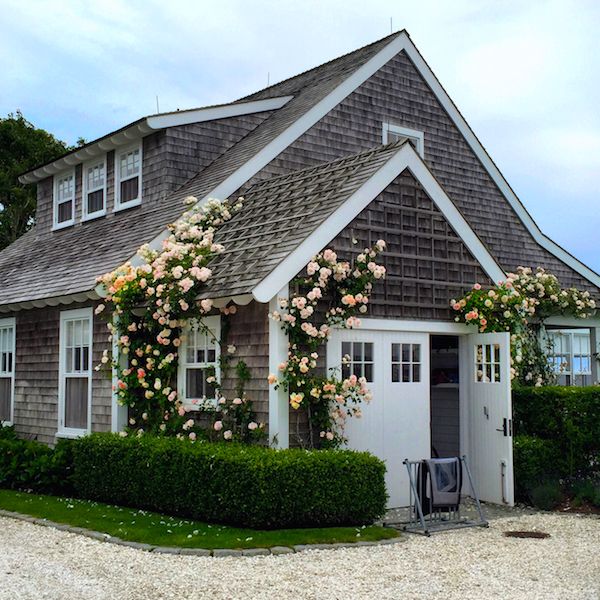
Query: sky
(525, 75)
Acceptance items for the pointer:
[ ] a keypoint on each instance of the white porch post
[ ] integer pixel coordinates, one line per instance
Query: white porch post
(594, 348)
(279, 434)
(118, 413)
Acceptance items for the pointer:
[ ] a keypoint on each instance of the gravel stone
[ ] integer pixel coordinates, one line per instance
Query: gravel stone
(256, 552)
(481, 563)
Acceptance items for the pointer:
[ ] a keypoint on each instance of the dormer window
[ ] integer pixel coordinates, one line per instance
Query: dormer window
(64, 199)
(393, 133)
(94, 189)
(128, 170)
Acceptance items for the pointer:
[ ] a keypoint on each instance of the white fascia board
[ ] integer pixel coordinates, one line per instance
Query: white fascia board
(186, 117)
(262, 158)
(404, 158)
(489, 165)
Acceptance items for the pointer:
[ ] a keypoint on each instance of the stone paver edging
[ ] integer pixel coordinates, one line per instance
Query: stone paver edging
(217, 552)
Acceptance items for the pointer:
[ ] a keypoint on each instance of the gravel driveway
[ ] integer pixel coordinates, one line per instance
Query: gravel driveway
(39, 562)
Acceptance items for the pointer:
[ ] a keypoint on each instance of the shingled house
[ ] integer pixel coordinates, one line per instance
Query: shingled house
(364, 147)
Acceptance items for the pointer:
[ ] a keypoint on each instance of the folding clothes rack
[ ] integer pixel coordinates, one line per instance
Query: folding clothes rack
(426, 516)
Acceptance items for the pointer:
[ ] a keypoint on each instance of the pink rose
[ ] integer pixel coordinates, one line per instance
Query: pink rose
(228, 435)
(218, 425)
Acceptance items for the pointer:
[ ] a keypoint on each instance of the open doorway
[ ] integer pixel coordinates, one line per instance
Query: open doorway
(445, 403)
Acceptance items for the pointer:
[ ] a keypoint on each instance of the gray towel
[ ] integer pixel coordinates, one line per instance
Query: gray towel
(445, 481)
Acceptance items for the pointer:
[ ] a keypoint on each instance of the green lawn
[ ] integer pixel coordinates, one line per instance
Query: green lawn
(162, 530)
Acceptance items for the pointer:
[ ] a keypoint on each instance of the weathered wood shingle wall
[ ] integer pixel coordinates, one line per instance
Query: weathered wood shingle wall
(36, 374)
(427, 263)
(249, 333)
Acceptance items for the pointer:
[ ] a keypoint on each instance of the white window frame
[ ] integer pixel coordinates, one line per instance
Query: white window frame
(66, 316)
(418, 137)
(86, 216)
(57, 177)
(410, 363)
(572, 334)
(214, 325)
(10, 323)
(117, 178)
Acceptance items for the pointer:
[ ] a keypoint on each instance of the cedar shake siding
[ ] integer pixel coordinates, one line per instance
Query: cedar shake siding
(427, 263)
(248, 331)
(36, 374)
(399, 95)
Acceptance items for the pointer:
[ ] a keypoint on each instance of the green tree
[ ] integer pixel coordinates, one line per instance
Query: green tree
(22, 147)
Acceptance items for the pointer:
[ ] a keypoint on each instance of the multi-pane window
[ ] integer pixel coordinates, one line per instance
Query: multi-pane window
(406, 363)
(75, 370)
(64, 199)
(128, 169)
(487, 363)
(94, 189)
(393, 133)
(570, 356)
(357, 359)
(198, 366)
(7, 369)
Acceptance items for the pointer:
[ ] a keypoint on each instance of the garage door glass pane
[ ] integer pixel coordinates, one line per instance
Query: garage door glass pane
(406, 363)
(357, 359)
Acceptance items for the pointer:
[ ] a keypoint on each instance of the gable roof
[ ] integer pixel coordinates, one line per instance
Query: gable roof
(288, 219)
(67, 263)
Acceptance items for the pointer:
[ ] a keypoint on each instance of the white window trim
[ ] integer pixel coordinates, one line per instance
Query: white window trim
(10, 322)
(71, 221)
(572, 333)
(85, 216)
(413, 134)
(67, 315)
(214, 324)
(117, 178)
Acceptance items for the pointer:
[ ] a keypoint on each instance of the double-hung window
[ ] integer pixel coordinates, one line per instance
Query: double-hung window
(128, 177)
(75, 372)
(570, 356)
(64, 199)
(393, 133)
(94, 189)
(7, 369)
(199, 361)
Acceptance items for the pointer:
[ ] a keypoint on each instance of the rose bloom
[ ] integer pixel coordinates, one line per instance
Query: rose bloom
(218, 425)
(272, 379)
(228, 434)
(237, 401)
(252, 426)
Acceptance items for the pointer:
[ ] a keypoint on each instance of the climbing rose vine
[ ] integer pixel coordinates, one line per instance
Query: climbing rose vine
(520, 305)
(149, 305)
(331, 293)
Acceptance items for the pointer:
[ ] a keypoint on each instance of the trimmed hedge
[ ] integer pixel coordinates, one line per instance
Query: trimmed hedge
(236, 485)
(34, 466)
(568, 418)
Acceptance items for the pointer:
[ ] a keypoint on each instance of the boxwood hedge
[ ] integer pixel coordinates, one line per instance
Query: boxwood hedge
(236, 485)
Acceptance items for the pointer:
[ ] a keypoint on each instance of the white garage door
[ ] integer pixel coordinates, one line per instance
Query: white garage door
(396, 424)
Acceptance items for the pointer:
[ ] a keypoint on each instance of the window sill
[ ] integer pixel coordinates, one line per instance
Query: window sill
(63, 225)
(131, 204)
(93, 216)
(71, 434)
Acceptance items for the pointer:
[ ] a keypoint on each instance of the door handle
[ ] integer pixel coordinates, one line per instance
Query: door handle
(505, 426)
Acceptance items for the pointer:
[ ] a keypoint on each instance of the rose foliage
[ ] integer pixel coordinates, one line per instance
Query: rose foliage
(520, 305)
(153, 305)
(331, 293)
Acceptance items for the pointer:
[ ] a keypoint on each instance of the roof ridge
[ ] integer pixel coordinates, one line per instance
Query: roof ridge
(329, 62)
